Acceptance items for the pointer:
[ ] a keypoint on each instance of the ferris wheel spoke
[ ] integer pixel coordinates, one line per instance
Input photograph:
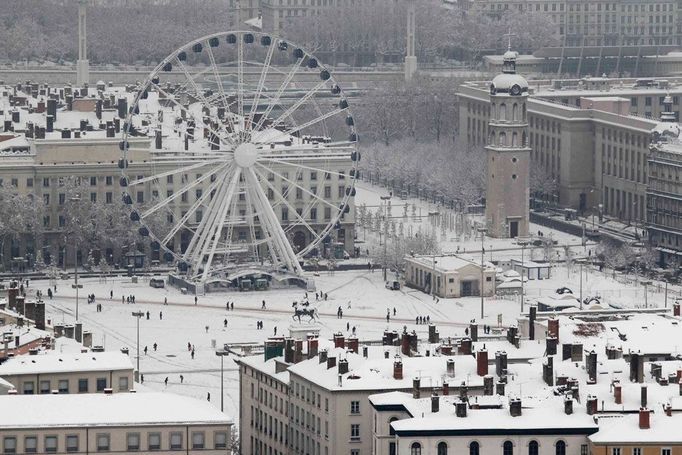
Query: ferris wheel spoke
(269, 229)
(195, 206)
(307, 124)
(301, 166)
(179, 170)
(274, 101)
(221, 89)
(286, 114)
(269, 217)
(305, 190)
(290, 207)
(250, 215)
(261, 84)
(225, 136)
(183, 190)
(240, 85)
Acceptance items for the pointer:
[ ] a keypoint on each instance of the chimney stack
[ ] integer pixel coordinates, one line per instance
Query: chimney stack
(501, 363)
(343, 366)
(644, 418)
(465, 346)
(591, 367)
(460, 408)
(331, 362)
(339, 341)
(643, 396)
(353, 345)
(618, 392)
(550, 345)
(488, 385)
(446, 389)
(515, 407)
(473, 331)
(322, 356)
(568, 404)
(591, 405)
(397, 369)
(668, 409)
(415, 388)
(482, 362)
(435, 402)
(450, 368)
(553, 328)
(531, 320)
(365, 351)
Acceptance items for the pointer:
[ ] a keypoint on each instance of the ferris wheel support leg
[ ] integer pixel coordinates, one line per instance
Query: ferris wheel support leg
(289, 257)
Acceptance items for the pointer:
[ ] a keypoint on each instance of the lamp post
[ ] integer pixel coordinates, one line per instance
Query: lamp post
(646, 283)
(433, 279)
(75, 285)
(482, 231)
(138, 315)
(222, 353)
(384, 202)
(523, 244)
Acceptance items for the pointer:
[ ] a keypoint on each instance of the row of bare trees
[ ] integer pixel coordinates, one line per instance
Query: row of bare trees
(364, 32)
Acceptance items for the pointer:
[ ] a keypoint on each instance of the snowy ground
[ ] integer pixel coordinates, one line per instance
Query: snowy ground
(360, 294)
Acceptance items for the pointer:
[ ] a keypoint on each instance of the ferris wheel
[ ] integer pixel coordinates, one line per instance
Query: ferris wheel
(252, 156)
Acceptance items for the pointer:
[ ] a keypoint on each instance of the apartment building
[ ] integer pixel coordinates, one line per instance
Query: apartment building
(313, 400)
(645, 432)
(112, 423)
(600, 22)
(72, 373)
(591, 140)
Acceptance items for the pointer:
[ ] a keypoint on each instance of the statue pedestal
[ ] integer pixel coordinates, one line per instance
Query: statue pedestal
(301, 331)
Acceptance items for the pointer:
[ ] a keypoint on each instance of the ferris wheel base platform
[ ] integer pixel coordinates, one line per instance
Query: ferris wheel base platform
(246, 280)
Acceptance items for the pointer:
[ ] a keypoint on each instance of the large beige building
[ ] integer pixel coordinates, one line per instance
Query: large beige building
(112, 423)
(50, 371)
(590, 137)
(452, 276)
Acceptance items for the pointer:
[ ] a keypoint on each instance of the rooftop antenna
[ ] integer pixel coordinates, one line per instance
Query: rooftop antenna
(82, 66)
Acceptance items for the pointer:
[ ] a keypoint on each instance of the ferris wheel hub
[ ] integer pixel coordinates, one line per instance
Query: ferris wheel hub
(246, 154)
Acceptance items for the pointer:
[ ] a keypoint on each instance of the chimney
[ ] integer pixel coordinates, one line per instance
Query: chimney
(515, 407)
(531, 321)
(644, 418)
(482, 362)
(435, 402)
(499, 388)
(636, 367)
(313, 344)
(473, 331)
(577, 353)
(450, 367)
(446, 389)
(488, 385)
(33, 351)
(87, 339)
(365, 351)
(49, 125)
(415, 388)
(289, 350)
(122, 108)
(553, 328)
(353, 345)
(405, 344)
(433, 334)
(550, 345)
(501, 363)
(98, 109)
(298, 351)
(397, 369)
(52, 108)
(446, 349)
(343, 366)
(548, 371)
(108, 391)
(465, 346)
(568, 404)
(339, 341)
(618, 392)
(331, 362)
(668, 409)
(322, 356)
(591, 405)
(461, 408)
(158, 141)
(591, 367)
(386, 354)
(16, 116)
(676, 309)
(643, 396)
(79, 332)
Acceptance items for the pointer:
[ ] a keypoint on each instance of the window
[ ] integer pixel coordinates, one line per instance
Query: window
(133, 441)
(101, 384)
(533, 448)
(103, 442)
(327, 192)
(474, 448)
(28, 388)
(442, 448)
(93, 197)
(63, 386)
(355, 407)
(108, 197)
(72, 443)
(46, 199)
(615, 450)
(636, 451)
(355, 432)
(391, 448)
(123, 383)
(354, 451)
(666, 451)
(30, 444)
(176, 441)
(560, 448)
(9, 444)
(416, 449)
(154, 441)
(44, 387)
(109, 180)
(82, 386)
(46, 182)
(313, 175)
(583, 449)
(198, 440)
(51, 444)
(15, 182)
(140, 197)
(220, 440)
(508, 448)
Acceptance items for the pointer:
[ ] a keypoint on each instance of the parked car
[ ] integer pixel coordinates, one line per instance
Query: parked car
(157, 283)
(393, 285)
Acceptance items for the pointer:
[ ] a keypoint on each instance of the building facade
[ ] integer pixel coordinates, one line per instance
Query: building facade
(452, 276)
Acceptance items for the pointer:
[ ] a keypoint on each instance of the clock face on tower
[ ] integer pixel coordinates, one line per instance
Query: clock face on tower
(515, 90)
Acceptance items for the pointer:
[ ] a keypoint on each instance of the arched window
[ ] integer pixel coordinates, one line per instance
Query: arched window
(491, 138)
(492, 110)
(508, 448)
(560, 448)
(533, 448)
(442, 448)
(524, 139)
(515, 112)
(503, 139)
(503, 111)
(474, 448)
(416, 449)
(515, 139)
(391, 431)
(523, 111)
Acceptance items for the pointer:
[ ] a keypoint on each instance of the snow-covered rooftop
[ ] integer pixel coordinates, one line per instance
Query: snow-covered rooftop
(58, 362)
(120, 409)
(625, 429)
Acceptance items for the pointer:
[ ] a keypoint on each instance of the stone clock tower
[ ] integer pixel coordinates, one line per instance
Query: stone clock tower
(507, 189)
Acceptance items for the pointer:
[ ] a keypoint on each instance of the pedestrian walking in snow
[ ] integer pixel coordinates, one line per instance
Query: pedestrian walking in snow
(225, 323)
(189, 346)
(232, 306)
(263, 305)
(196, 300)
(192, 354)
(161, 315)
(165, 300)
(155, 346)
(111, 294)
(275, 331)
(347, 326)
(166, 381)
(141, 379)
(182, 379)
(388, 317)
(206, 329)
(208, 396)
(145, 350)
(148, 315)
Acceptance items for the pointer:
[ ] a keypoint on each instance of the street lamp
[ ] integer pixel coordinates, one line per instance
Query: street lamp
(222, 353)
(482, 231)
(75, 285)
(433, 279)
(523, 244)
(138, 315)
(384, 202)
